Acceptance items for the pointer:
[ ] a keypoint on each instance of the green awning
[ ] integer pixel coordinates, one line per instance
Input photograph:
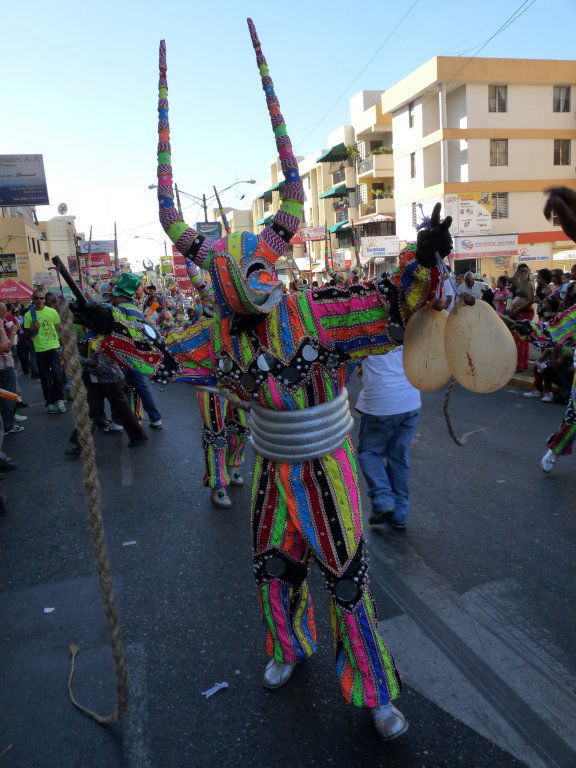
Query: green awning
(339, 226)
(340, 190)
(339, 152)
(265, 220)
(268, 192)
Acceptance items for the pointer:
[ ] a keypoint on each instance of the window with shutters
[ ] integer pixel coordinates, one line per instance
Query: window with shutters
(500, 205)
(561, 98)
(498, 151)
(497, 98)
(561, 151)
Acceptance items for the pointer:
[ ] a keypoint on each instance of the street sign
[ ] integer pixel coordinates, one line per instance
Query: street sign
(211, 229)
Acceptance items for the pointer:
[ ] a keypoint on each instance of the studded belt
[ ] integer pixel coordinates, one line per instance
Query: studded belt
(301, 435)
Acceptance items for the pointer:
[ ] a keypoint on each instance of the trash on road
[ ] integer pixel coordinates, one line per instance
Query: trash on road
(49, 610)
(215, 688)
(128, 543)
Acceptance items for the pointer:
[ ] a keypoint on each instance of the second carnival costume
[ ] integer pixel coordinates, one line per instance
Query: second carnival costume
(289, 355)
(224, 426)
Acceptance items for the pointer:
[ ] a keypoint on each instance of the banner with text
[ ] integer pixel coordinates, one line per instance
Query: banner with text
(489, 246)
(22, 181)
(471, 213)
(384, 247)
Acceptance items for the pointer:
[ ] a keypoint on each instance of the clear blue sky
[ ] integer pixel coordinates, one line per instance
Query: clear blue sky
(80, 86)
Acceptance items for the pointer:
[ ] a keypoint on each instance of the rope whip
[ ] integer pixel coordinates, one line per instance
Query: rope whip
(96, 524)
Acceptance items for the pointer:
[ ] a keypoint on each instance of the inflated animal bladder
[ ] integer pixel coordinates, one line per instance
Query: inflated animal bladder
(479, 348)
(424, 358)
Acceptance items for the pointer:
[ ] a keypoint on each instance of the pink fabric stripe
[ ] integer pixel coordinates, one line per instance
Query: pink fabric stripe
(280, 621)
(370, 697)
(275, 395)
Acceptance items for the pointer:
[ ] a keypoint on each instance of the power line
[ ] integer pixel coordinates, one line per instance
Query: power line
(351, 83)
(510, 20)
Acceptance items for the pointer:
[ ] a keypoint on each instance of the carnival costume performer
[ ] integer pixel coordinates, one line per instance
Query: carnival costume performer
(224, 425)
(289, 355)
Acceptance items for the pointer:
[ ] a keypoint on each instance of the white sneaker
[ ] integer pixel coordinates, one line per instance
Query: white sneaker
(18, 417)
(548, 397)
(112, 427)
(389, 722)
(236, 477)
(548, 460)
(220, 498)
(156, 424)
(533, 393)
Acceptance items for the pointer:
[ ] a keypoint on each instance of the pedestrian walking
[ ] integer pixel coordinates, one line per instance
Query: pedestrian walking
(43, 326)
(390, 407)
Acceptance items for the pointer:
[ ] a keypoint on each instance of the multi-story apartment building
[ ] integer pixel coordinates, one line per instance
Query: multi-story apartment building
(22, 249)
(238, 219)
(485, 137)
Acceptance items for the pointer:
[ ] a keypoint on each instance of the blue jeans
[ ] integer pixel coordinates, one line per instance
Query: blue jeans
(138, 381)
(383, 452)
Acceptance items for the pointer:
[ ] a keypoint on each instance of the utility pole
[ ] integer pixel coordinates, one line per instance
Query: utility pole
(205, 208)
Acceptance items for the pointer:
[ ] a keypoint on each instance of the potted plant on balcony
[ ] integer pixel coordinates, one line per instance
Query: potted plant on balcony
(352, 152)
(378, 194)
(382, 151)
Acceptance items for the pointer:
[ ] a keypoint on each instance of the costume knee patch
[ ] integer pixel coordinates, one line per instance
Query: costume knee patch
(347, 588)
(274, 565)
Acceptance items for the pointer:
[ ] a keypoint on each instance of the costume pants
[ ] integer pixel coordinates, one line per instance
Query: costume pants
(51, 376)
(562, 441)
(122, 413)
(224, 435)
(313, 509)
(384, 455)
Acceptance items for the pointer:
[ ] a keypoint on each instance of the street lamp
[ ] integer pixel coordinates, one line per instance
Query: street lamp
(162, 242)
(203, 201)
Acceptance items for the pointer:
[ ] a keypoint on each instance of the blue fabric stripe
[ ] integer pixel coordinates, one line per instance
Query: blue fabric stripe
(360, 342)
(379, 673)
(287, 345)
(304, 509)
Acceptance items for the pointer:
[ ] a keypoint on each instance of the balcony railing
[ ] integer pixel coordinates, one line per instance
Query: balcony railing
(366, 165)
(339, 176)
(369, 208)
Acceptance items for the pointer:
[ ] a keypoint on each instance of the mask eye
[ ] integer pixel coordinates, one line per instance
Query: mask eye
(256, 267)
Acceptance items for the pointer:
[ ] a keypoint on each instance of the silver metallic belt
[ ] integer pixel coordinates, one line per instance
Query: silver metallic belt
(301, 435)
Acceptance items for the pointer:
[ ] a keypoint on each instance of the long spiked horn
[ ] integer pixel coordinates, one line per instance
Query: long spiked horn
(222, 214)
(188, 242)
(284, 225)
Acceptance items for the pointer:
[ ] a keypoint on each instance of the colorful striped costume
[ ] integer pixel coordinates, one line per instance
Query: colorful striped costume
(560, 330)
(224, 435)
(298, 356)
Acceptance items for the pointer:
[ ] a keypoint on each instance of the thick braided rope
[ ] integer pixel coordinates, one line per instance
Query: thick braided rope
(92, 492)
(447, 397)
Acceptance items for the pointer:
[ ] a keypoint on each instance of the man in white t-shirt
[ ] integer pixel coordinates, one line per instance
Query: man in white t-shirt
(390, 407)
(470, 287)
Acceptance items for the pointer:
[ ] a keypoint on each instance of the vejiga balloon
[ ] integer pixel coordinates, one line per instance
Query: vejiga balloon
(480, 349)
(425, 363)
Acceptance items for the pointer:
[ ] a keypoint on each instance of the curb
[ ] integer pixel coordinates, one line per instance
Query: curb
(521, 382)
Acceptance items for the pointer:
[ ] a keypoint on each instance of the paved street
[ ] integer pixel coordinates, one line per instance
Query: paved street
(476, 601)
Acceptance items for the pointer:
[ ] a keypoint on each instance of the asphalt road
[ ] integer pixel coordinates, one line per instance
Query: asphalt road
(475, 601)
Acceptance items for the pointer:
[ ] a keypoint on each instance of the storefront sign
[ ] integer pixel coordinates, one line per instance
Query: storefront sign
(22, 180)
(471, 213)
(180, 274)
(97, 246)
(211, 229)
(488, 246)
(382, 247)
(341, 258)
(313, 233)
(536, 252)
(8, 265)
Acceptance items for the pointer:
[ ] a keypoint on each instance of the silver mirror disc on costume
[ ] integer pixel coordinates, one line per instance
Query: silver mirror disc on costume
(248, 382)
(275, 567)
(225, 364)
(346, 590)
(309, 353)
(149, 331)
(265, 361)
(290, 374)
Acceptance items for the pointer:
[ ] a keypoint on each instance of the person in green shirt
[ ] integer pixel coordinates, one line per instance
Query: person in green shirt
(42, 324)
